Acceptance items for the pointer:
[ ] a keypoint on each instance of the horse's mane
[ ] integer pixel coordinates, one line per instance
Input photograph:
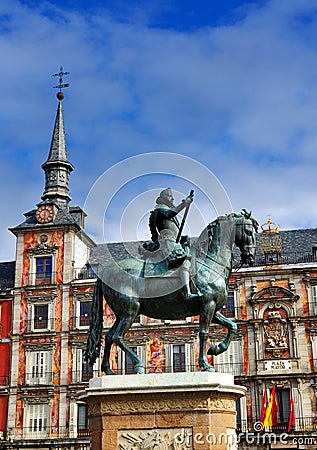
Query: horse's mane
(208, 233)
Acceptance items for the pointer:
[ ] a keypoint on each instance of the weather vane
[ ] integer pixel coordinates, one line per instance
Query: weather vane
(60, 85)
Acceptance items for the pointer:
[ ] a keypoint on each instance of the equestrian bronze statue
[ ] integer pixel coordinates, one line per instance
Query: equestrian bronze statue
(130, 291)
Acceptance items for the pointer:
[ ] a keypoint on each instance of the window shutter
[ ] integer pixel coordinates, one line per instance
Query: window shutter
(79, 362)
(314, 294)
(188, 360)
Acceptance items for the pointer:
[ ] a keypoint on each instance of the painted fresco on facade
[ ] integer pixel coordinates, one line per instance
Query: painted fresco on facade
(23, 313)
(55, 414)
(155, 356)
(19, 417)
(57, 361)
(113, 358)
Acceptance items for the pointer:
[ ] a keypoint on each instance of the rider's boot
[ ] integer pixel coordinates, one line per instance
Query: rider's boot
(184, 276)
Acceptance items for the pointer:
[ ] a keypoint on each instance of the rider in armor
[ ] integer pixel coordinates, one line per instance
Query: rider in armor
(164, 228)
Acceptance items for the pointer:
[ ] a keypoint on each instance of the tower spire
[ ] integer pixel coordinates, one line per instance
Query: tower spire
(57, 167)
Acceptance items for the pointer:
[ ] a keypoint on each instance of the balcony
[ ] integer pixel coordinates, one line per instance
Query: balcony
(32, 279)
(231, 313)
(84, 376)
(86, 273)
(303, 425)
(79, 322)
(65, 433)
(37, 379)
(6, 284)
(284, 259)
(236, 369)
(40, 325)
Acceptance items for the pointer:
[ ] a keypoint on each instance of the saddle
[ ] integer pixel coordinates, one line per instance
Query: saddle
(157, 264)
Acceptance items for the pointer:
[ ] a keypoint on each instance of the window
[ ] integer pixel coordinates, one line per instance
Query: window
(38, 367)
(125, 364)
(313, 304)
(129, 366)
(43, 273)
(271, 258)
(37, 420)
(179, 359)
(82, 371)
(230, 361)
(241, 417)
(82, 420)
(228, 309)
(86, 371)
(84, 313)
(283, 399)
(40, 317)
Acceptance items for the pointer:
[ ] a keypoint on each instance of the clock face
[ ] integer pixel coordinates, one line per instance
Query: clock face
(44, 213)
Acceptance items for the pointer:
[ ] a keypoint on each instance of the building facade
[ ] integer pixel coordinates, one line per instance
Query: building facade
(6, 300)
(49, 323)
(45, 315)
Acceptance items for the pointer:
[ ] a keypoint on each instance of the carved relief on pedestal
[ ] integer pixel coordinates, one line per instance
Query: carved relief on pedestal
(138, 404)
(275, 329)
(149, 403)
(223, 404)
(159, 439)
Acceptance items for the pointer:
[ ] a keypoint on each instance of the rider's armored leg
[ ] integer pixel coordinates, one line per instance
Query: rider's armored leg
(184, 276)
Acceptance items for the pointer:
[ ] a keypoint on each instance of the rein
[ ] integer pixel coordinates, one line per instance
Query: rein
(205, 256)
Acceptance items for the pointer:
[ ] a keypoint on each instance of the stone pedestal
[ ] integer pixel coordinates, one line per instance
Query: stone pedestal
(173, 411)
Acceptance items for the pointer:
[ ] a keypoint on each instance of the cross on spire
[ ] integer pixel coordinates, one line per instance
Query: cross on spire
(60, 85)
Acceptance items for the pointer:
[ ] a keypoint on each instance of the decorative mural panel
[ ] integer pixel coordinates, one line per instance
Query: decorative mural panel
(155, 356)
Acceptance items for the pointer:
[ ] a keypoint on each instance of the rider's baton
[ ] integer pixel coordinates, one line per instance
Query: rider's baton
(191, 194)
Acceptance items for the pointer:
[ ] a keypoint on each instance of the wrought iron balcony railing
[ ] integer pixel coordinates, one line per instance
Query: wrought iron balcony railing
(303, 425)
(261, 260)
(6, 284)
(86, 273)
(47, 432)
(39, 378)
(33, 279)
(40, 324)
(284, 258)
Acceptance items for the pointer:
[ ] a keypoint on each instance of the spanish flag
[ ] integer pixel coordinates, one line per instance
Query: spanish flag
(270, 419)
(291, 420)
(264, 405)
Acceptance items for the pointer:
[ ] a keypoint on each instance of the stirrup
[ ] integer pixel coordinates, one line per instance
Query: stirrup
(189, 296)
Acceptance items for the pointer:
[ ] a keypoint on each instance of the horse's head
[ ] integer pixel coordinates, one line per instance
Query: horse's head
(246, 227)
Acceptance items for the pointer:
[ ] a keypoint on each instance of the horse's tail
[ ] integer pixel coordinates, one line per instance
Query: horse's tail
(92, 351)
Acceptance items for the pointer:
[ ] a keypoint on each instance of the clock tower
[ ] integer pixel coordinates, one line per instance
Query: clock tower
(52, 249)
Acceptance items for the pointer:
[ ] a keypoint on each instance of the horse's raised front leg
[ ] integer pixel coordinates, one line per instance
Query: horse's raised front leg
(105, 366)
(206, 316)
(232, 329)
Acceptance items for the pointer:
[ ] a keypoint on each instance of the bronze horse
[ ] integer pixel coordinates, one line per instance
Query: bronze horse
(129, 293)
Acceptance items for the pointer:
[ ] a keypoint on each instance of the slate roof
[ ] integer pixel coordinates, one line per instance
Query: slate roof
(297, 246)
(70, 215)
(7, 270)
